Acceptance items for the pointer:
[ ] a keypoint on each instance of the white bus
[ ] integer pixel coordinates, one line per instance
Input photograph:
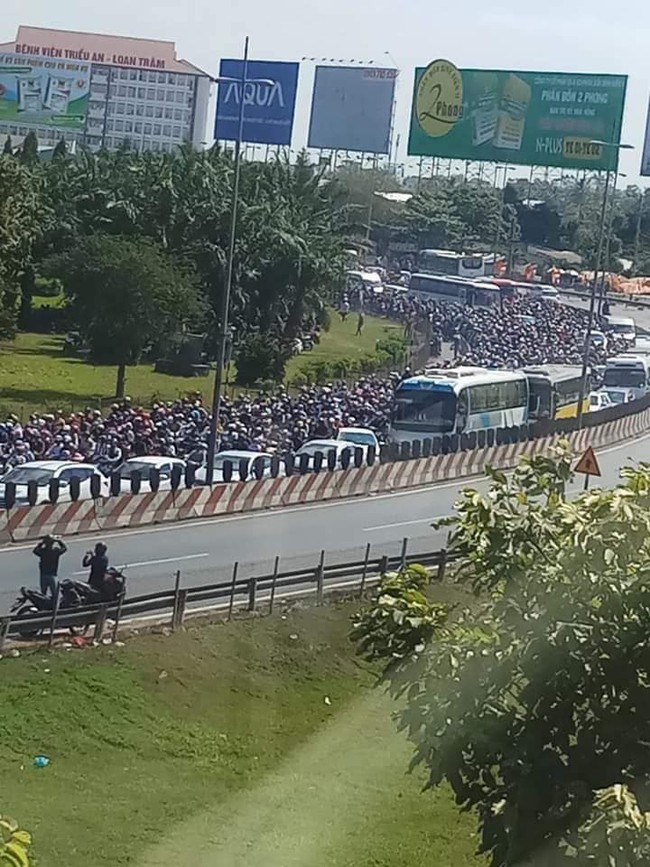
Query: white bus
(628, 371)
(455, 290)
(470, 265)
(458, 400)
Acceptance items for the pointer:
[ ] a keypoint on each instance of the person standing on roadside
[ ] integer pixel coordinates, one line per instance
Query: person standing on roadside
(48, 551)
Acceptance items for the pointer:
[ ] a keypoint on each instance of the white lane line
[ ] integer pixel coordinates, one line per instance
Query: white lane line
(291, 510)
(153, 562)
(398, 524)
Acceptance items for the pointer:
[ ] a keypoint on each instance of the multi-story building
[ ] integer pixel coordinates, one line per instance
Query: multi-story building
(139, 91)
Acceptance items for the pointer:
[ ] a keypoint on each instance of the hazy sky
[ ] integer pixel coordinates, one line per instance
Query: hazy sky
(572, 36)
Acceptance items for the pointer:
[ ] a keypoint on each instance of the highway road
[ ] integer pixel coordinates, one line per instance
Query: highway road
(204, 551)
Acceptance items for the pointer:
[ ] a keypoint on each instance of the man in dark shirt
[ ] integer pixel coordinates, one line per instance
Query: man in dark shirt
(98, 562)
(48, 551)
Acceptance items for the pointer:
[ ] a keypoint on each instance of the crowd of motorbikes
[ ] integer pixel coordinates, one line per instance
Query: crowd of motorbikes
(106, 585)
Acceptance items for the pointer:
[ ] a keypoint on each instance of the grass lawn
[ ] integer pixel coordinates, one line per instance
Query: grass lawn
(217, 747)
(34, 375)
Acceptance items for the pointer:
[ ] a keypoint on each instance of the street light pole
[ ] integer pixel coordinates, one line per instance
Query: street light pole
(592, 297)
(225, 301)
(608, 246)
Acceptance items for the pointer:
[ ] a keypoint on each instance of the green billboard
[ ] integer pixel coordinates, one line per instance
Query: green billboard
(524, 118)
(41, 91)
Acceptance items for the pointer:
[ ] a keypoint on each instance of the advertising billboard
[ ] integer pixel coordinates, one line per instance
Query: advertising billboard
(268, 108)
(525, 118)
(39, 91)
(352, 108)
(645, 159)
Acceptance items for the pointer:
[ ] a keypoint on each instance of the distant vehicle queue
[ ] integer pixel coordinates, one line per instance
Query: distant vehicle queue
(464, 399)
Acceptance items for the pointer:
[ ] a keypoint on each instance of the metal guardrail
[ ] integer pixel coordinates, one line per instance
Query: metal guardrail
(612, 298)
(180, 602)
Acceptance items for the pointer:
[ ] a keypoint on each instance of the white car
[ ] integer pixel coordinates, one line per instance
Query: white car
(620, 395)
(599, 400)
(360, 436)
(42, 472)
(235, 456)
(144, 465)
(325, 446)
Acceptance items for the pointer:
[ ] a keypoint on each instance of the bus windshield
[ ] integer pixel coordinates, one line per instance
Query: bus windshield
(431, 410)
(625, 377)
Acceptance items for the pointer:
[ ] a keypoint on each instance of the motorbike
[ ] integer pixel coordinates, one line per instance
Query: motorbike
(72, 594)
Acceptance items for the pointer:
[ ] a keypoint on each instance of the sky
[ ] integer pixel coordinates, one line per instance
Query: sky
(555, 35)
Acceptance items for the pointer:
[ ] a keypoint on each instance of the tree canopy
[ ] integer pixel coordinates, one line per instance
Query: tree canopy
(532, 702)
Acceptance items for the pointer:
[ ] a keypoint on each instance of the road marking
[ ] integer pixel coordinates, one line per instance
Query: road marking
(291, 510)
(153, 562)
(398, 524)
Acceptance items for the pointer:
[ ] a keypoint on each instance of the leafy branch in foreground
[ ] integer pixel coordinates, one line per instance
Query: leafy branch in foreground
(535, 700)
(14, 844)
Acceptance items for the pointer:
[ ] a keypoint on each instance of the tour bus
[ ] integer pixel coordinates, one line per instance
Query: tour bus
(458, 400)
(555, 391)
(470, 265)
(457, 290)
(628, 371)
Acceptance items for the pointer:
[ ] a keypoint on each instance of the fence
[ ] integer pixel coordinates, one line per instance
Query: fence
(180, 602)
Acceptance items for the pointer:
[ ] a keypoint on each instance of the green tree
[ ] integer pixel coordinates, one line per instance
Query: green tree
(24, 218)
(532, 703)
(127, 296)
(7, 148)
(29, 149)
(61, 150)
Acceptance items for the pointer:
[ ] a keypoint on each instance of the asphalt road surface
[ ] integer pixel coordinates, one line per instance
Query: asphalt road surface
(204, 551)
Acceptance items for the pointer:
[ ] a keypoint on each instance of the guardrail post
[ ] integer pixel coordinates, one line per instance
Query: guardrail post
(233, 585)
(442, 565)
(274, 582)
(55, 612)
(180, 609)
(177, 587)
(118, 616)
(100, 623)
(364, 574)
(402, 559)
(5, 623)
(320, 576)
(383, 565)
(252, 593)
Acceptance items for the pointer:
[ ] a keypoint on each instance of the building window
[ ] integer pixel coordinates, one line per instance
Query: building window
(121, 91)
(180, 96)
(162, 78)
(167, 130)
(160, 94)
(148, 111)
(168, 114)
(159, 111)
(133, 75)
(137, 127)
(151, 93)
(130, 108)
(170, 96)
(141, 93)
(128, 126)
(131, 92)
(139, 109)
(177, 132)
(156, 129)
(119, 108)
(119, 126)
(147, 128)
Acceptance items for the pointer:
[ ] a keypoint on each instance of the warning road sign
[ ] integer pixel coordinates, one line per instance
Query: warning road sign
(588, 463)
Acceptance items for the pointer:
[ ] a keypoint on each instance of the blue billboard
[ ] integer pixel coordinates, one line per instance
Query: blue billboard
(268, 108)
(352, 108)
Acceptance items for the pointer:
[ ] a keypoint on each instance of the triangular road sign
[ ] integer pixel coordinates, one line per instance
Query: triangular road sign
(588, 463)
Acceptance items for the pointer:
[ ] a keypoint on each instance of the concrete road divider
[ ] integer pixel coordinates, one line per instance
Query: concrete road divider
(112, 513)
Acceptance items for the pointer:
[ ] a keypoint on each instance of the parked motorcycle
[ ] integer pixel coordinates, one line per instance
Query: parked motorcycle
(73, 594)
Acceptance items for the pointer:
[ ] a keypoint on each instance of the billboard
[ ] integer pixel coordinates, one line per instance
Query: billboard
(268, 108)
(352, 108)
(40, 91)
(525, 118)
(645, 159)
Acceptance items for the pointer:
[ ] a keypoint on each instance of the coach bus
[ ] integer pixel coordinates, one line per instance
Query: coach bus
(447, 262)
(555, 391)
(458, 400)
(455, 290)
(628, 370)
